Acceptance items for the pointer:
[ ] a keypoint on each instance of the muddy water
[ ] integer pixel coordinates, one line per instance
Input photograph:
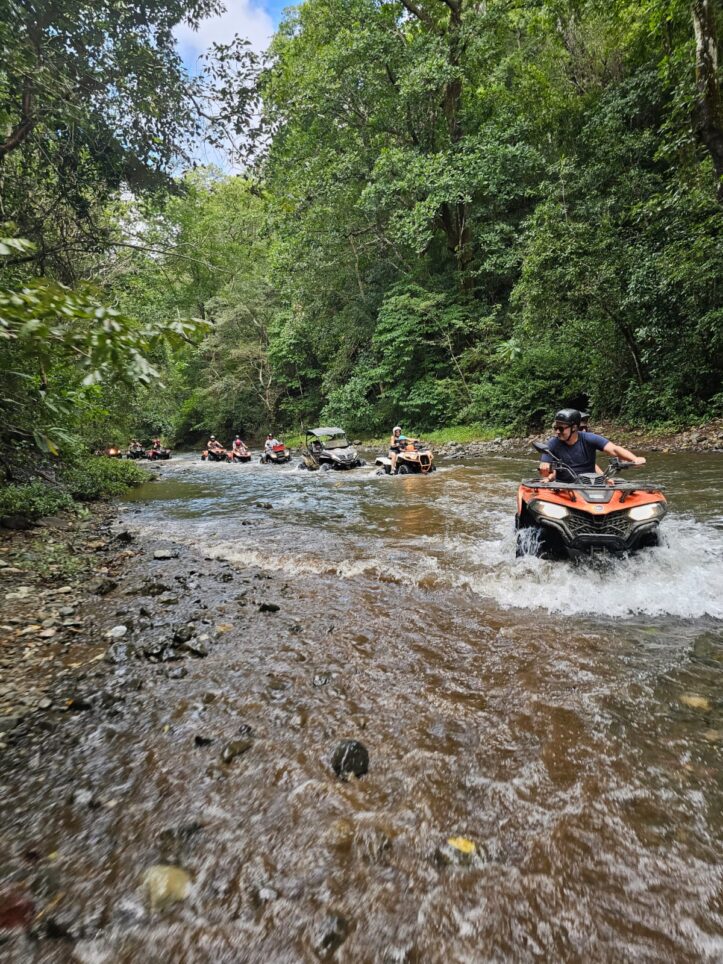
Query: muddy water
(566, 719)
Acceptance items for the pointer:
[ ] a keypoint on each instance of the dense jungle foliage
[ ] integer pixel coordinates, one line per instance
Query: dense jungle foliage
(448, 212)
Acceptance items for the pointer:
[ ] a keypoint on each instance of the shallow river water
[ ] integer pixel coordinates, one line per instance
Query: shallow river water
(565, 718)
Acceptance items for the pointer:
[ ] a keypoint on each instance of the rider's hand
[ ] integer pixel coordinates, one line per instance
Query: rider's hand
(639, 460)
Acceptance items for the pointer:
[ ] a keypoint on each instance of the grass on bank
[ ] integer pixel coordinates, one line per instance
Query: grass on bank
(86, 480)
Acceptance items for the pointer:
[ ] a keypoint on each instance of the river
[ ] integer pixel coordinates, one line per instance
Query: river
(566, 719)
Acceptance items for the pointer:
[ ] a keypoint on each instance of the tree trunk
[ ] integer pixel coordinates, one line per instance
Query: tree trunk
(709, 108)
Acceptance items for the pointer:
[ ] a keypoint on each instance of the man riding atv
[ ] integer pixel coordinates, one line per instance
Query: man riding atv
(577, 448)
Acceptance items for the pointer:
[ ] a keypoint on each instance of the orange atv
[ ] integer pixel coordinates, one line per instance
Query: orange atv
(591, 512)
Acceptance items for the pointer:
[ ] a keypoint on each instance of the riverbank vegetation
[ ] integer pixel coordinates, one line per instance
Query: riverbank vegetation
(448, 214)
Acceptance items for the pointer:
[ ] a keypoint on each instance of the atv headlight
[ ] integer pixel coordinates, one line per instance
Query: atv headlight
(642, 512)
(552, 510)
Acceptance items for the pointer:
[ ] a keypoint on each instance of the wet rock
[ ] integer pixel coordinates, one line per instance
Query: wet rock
(66, 610)
(47, 633)
(178, 672)
(201, 740)
(350, 757)
(235, 748)
(152, 587)
(267, 894)
(165, 554)
(102, 586)
(118, 653)
(16, 522)
(8, 723)
(124, 536)
(78, 704)
(330, 935)
(93, 952)
(168, 599)
(117, 632)
(269, 608)
(263, 505)
(165, 885)
(183, 633)
(245, 729)
(321, 679)
(170, 655)
(695, 702)
(196, 647)
(84, 798)
(225, 577)
(457, 851)
(16, 909)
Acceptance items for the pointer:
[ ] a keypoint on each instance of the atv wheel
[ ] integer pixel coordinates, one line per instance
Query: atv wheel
(325, 467)
(403, 469)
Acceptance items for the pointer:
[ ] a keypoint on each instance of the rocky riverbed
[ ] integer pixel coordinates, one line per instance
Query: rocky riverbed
(264, 714)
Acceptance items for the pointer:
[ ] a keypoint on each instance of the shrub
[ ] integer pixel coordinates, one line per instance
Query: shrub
(33, 501)
(97, 477)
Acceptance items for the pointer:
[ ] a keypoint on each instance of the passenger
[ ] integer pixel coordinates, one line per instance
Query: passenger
(396, 443)
(577, 449)
(238, 447)
(156, 446)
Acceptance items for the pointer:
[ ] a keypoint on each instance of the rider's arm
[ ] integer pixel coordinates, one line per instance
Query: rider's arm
(547, 472)
(619, 452)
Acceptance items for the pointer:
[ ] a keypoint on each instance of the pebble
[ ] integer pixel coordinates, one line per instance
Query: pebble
(695, 702)
(350, 756)
(118, 632)
(235, 748)
(166, 885)
(165, 554)
(330, 935)
(269, 608)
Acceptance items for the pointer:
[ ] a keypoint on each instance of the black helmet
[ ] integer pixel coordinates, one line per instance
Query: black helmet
(570, 416)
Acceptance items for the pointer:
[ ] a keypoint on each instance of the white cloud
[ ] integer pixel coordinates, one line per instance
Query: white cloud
(242, 17)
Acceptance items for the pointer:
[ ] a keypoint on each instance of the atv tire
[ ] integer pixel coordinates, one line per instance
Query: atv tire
(403, 470)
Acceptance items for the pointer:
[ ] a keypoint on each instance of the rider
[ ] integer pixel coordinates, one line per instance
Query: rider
(156, 446)
(271, 440)
(238, 447)
(213, 445)
(396, 443)
(577, 448)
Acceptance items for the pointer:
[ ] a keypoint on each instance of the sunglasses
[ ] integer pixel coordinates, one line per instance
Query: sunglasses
(560, 428)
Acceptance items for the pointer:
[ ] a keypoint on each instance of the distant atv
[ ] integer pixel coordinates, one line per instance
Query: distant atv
(156, 455)
(414, 457)
(277, 455)
(215, 455)
(329, 448)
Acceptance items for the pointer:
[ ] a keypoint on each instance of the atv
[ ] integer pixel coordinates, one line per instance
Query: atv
(414, 457)
(328, 448)
(215, 455)
(156, 455)
(277, 455)
(592, 512)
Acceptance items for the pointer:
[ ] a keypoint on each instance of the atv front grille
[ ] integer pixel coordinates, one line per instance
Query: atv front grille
(582, 524)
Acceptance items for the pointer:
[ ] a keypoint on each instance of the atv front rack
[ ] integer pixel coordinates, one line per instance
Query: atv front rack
(576, 486)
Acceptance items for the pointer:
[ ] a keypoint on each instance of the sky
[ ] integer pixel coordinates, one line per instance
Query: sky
(255, 20)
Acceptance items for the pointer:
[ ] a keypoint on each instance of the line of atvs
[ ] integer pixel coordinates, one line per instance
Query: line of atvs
(155, 453)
